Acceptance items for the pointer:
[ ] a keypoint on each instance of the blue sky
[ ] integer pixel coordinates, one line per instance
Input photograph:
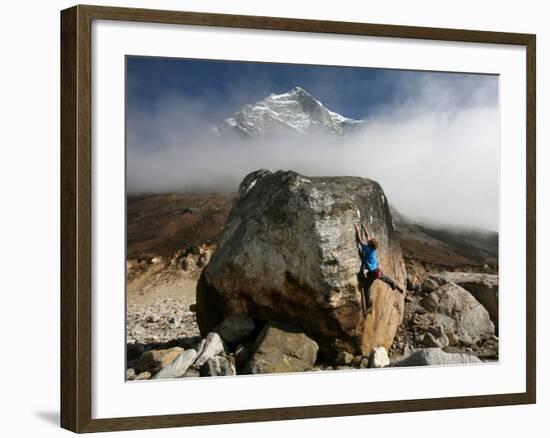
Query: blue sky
(224, 86)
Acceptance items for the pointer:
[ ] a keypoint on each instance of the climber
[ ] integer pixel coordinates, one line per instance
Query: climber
(370, 269)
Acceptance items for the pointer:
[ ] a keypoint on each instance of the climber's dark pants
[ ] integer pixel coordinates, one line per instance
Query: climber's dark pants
(365, 282)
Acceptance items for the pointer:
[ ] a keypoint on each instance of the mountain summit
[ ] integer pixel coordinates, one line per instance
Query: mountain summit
(295, 111)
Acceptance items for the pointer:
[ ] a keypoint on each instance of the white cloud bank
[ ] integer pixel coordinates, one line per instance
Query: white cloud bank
(435, 156)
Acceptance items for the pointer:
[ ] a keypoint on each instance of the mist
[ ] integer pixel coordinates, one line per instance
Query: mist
(434, 149)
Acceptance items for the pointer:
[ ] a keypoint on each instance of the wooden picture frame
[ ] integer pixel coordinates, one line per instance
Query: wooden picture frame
(76, 218)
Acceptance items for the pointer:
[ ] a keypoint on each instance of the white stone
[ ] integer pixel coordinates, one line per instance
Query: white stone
(379, 358)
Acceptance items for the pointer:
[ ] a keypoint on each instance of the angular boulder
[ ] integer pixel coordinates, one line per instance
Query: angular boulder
(456, 311)
(282, 349)
(484, 288)
(288, 253)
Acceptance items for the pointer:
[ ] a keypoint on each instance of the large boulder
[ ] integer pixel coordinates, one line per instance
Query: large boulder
(484, 287)
(288, 253)
(456, 311)
(282, 349)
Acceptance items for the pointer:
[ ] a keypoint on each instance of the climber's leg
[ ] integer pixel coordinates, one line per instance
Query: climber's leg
(390, 282)
(367, 283)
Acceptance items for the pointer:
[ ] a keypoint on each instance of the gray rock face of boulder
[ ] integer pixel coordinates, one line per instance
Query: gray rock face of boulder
(436, 356)
(218, 366)
(236, 328)
(282, 349)
(288, 253)
(379, 358)
(457, 311)
(178, 367)
(484, 288)
(212, 346)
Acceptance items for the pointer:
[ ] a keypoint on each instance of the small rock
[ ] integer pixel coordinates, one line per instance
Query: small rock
(192, 372)
(437, 331)
(152, 318)
(430, 340)
(130, 374)
(178, 367)
(236, 328)
(453, 338)
(344, 358)
(360, 362)
(217, 366)
(430, 303)
(379, 358)
(429, 285)
(154, 360)
(407, 350)
(138, 331)
(145, 375)
(213, 346)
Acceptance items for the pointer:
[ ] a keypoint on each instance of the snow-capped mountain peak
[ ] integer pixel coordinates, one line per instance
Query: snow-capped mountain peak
(295, 111)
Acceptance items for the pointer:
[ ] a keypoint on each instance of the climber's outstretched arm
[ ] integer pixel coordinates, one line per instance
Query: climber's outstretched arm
(358, 239)
(363, 226)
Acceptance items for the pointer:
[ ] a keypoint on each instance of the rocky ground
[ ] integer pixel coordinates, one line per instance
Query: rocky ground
(441, 313)
(161, 297)
(447, 319)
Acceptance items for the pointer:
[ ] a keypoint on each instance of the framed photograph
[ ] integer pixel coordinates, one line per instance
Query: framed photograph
(269, 218)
